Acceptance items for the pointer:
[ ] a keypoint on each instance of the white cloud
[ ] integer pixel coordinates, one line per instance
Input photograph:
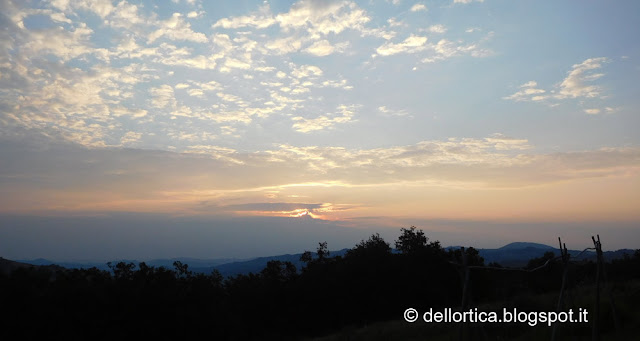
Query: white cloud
(593, 111)
(323, 48)
(304, 71)
(315, 17)
(232, 63)
(437, 29)
(209, 86)
(130, 137)
(260, 20)
(74, 105)
(175, 28)
(124, 111)
(194, 14)
(411, 161)
(285, 45)
(74, 88)
(272, 84)
(196, 93)
(64, 44)
(379, 33)
(528, 92)
(418, 8)
(446, 49)
(320, 48)
(128, 48)
(231, 116)
(126, 16)
(197, 62)
(100, 7)
(337, 84)
(191, 136)
(390, 112)
(322, 18)
(503, 142)
(411, 44)
(60, 17)
(393, 22)
(228, 155)
(229, 98)
(576, 83)
(328, 121)
(162, 96)
(529, 84)
(171, 55)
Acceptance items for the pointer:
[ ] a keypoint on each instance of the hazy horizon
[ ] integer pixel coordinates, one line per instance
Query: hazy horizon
(221, 129)
(113, 236)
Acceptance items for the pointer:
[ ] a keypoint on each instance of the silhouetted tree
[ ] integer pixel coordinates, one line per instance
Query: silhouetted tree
(182, 269)
(411, 241)
(536, 262)
(369, 284)
(473, 256)
(279, 271)
(122, 270)
(414, 242)
(322, 251)
(306, 257)
(373, 247)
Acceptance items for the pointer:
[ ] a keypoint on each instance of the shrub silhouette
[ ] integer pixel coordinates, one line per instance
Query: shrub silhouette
(368, 284)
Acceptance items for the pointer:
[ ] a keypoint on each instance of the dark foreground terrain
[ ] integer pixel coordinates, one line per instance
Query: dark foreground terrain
(361, 295)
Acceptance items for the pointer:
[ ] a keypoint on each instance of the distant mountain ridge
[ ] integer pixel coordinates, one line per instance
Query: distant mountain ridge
(257, 264)
(7, 266)
(167, 263)
(516, 254)
(524, 245)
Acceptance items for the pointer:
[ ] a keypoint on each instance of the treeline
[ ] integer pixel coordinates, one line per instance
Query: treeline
(368, 284)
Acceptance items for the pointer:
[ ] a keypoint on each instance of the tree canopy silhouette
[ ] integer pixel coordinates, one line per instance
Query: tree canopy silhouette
(368, 284)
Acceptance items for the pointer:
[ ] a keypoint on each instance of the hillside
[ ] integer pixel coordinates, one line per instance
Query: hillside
(515, 254)
(8, 266)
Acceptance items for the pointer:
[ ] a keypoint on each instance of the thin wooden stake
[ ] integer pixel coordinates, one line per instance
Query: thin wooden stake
(612, 303)
(595, 333)
(565, 266)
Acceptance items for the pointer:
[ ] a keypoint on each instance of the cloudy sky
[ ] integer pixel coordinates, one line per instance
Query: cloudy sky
(482, 122)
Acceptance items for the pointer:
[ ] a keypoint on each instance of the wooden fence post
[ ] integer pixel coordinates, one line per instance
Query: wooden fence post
(565, 266)
(612, 303)
(595, 333)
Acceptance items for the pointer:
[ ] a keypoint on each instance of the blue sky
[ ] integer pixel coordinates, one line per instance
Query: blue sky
(348, 112)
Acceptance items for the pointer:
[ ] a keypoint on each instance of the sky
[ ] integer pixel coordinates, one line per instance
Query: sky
(248, 128)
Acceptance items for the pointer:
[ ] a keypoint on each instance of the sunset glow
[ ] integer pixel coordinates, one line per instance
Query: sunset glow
(349, 114)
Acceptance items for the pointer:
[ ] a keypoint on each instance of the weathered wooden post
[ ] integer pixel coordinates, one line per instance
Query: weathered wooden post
(612, 303)
(595, 333)
(565, 264)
